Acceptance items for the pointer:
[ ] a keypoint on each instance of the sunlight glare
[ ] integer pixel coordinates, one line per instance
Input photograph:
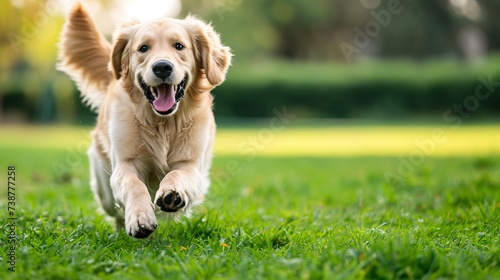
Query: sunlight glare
(147, 10)
(468, 8)
(370, 4)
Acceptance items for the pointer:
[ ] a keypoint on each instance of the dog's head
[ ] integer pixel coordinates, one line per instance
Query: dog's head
(159, 61)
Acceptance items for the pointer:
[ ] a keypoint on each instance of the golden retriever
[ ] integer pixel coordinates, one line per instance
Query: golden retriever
(152, 145)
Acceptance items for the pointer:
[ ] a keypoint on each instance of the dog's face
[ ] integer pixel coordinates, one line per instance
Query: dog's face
(160, 61)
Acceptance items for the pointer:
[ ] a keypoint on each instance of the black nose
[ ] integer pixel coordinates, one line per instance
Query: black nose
(162, 69)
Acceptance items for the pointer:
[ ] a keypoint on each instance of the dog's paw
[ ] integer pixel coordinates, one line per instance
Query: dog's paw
(140, 224)
(171, 201)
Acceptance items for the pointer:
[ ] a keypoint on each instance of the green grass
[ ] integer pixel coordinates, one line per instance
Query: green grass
(277, 218)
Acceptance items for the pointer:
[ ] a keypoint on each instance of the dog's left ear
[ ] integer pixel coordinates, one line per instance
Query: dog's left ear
(213, 57)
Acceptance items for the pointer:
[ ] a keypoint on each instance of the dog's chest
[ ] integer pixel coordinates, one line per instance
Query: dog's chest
(157, 146)
(165, 146)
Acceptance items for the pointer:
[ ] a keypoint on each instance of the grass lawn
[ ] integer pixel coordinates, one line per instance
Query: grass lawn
(325, 210)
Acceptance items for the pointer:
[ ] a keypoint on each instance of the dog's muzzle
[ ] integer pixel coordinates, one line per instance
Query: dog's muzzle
(164, 97)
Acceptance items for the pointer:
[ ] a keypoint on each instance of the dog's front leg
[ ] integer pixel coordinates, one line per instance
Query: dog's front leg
(180, 189)
(132, 194)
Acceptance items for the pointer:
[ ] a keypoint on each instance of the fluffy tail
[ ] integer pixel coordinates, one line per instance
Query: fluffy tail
(84, 54)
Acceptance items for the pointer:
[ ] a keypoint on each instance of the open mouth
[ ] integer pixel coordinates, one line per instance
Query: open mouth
(164, 97)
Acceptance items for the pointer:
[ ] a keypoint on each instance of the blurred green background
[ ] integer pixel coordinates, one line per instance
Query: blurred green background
(363, 59)
(356, 138)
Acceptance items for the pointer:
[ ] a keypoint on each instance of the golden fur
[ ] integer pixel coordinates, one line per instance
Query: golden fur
(143, 159)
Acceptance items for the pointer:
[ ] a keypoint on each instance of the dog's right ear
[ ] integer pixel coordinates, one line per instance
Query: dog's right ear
(120, 56)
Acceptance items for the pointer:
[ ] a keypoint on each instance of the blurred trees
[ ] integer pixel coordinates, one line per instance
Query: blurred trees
(29, 30)
(301, 29)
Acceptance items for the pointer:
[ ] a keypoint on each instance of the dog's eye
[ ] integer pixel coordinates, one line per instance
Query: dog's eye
(179, 46)
(143, 48)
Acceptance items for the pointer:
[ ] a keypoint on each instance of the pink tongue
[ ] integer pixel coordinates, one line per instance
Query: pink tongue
(166, 98)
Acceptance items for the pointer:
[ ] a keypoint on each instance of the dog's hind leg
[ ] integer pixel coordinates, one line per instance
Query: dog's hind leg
(99, 182)
(120, 223)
